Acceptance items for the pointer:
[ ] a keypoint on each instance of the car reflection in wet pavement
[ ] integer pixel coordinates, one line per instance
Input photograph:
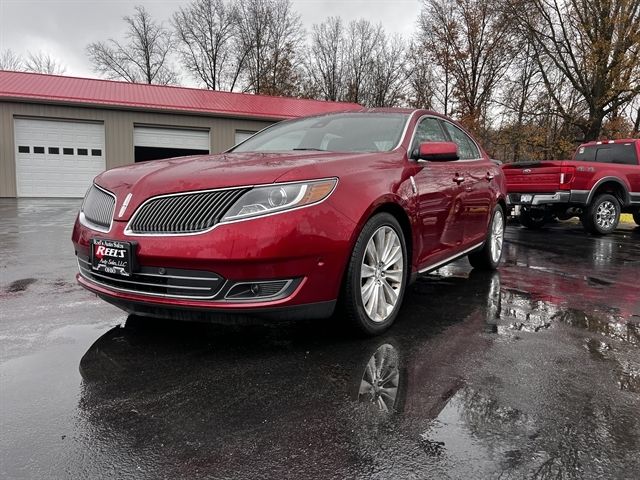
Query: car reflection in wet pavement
(529, 372)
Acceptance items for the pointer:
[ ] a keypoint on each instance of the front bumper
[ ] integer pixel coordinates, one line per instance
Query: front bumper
(307, 249)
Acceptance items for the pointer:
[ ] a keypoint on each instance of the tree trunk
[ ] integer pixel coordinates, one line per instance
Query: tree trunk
(594, 126)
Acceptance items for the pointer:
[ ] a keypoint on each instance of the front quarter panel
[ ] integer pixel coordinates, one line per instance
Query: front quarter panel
(386, 181)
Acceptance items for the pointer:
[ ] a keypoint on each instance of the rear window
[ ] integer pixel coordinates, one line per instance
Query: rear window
(623, 153)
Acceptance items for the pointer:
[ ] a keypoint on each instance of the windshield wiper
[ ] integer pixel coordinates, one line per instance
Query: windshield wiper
(309, 149)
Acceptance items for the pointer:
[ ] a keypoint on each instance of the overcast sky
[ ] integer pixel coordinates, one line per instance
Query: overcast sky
(63, 28)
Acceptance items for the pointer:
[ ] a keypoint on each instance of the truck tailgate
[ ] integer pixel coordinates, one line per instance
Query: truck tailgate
(539, 177)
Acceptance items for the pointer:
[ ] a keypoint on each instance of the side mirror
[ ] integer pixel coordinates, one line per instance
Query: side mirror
(437, 151)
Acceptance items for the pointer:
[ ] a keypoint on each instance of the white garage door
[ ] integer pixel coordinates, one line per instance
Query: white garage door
(242, 135)
(178, 138)
(57, 158)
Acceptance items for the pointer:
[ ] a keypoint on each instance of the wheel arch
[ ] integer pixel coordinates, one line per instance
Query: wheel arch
(503, 203)
(612, 185)
(393, 206)
(402, 217)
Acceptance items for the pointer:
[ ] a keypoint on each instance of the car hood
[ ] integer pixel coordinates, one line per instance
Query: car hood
(175, 175)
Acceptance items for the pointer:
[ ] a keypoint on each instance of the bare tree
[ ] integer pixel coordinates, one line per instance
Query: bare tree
(594, 45)
(42, 62)
(269, 37)
(472, 40)
(521, 107)
(435, 55)
(9, 60)
(326, 59)
(143, 58)
(387, 85)
(37, 62)
(421, 77)
(362, 41)
(205, 31)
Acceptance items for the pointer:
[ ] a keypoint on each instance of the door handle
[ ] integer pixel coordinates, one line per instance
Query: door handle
(490, 176)
(458, 179)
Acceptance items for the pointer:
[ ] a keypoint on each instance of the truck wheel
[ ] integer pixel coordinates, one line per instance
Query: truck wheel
(603, 215)
(636, 217)
(532, 219)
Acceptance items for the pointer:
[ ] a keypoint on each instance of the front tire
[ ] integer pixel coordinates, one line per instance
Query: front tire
(376, 275)
(603, 215)
(489, 256)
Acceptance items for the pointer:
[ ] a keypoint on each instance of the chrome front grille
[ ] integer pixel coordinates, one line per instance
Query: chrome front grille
(183, 213)
(97, 208)
(172, 282)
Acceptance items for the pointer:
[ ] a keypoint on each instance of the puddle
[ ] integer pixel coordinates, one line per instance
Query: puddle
(20, 285)
(629, 377)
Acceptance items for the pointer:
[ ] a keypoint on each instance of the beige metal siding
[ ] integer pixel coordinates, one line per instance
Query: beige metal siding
(118, 126)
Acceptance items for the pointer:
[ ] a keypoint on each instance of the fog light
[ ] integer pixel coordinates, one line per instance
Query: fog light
(270, 289)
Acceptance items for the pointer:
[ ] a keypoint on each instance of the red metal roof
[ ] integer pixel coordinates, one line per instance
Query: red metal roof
(36, 87)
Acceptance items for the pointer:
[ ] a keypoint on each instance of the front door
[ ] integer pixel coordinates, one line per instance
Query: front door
(439, 189)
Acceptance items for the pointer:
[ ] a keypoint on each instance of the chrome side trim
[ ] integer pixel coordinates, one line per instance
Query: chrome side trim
(450, 259)
(93, 226)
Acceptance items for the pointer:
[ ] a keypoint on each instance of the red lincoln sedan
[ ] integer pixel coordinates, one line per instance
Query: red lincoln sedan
(341, 209)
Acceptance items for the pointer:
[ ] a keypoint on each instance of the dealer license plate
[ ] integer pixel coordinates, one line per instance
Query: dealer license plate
(111, 256)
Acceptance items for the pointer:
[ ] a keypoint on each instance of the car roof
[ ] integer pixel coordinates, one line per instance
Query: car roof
(608, 142)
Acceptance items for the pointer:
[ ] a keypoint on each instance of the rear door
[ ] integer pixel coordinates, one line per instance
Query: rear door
(476, 192)
(595, 162)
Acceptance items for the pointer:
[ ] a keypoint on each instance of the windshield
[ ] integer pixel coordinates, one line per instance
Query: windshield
(341, 132)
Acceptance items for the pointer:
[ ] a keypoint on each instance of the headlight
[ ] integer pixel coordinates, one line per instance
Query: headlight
(279, 197)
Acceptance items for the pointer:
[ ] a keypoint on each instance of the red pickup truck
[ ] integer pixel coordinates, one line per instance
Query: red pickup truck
(601, 181)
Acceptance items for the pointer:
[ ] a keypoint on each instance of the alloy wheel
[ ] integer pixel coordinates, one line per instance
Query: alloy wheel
(382, 274)
(497, 236)
(606, 215)
(380, 380)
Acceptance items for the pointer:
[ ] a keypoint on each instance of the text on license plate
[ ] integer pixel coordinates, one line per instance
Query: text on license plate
(111, 256)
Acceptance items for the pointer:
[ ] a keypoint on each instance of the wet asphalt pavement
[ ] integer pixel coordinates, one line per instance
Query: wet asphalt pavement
(530, 372)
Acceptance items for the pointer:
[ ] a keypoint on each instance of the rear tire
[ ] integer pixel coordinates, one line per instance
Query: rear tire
(376, 276)
(532, 219)
(489, 256)
(603, 215)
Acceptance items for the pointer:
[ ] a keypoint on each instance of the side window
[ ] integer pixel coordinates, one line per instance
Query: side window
(621, 153)
(466, 147)
(586, 154)
(428, 130)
